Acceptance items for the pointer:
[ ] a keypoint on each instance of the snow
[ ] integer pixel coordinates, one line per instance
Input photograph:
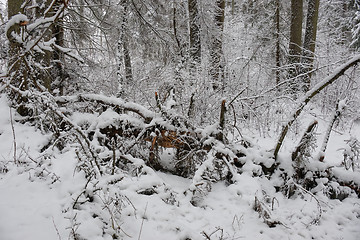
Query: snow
(355, 128)
(29, 210)
(46, 22)
(342, 104)
(36, 203)
(15, 20)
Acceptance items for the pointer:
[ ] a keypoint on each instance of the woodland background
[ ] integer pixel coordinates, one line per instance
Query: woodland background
(170, 103)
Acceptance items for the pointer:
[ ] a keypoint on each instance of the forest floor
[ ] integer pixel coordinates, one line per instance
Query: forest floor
(35, 202)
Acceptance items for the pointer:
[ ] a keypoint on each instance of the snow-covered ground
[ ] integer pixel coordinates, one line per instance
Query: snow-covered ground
(36, 202)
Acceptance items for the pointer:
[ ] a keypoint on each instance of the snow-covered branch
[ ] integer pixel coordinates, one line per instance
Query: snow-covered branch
(146, 114)
(310, 94)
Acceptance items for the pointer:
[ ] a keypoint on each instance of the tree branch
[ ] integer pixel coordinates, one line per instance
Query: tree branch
(312, 93)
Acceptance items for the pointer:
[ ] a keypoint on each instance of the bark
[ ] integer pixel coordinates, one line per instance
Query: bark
(232, 7)
(13, 8)
(127, 61)
(277, 56)
(195, 49)
(216, 50)
(123, 48)
(295, 37)
(195, 40)
(309, 95)
(58, 56)
(191, 111)
(303, 145)
(54, 59)
(53, 78)
(309, 41)
(16, 68)
(220, 135)
(21, 68)
(174, 25)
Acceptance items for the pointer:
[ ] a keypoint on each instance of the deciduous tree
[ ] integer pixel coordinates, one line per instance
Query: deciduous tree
(309, 42)
(216, 48)
(194, 33)
(295, 39)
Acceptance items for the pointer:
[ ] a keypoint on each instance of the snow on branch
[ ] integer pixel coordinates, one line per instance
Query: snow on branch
(16, 19)
(310, 94)
(111, 101)
(32, 44)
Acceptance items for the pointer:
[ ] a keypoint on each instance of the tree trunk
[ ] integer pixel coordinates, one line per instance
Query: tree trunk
(295, 40)
(309, 42)
(16, 69)
(232, 7)
(126, 51)
(277, 53)
(127, 60)
(195, 40)
(54, 59)
(58, 56)
(53, 78)
(13, 8)
(123, 50)
(216, 50)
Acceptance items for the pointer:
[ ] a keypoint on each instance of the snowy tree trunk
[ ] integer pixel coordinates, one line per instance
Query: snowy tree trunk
(58, 56)
(16, 69)
(277, 53)
(295, 39)
(55, 58)
(124, 52)
(194, 36)
(356, 28)
(13, 8)
(309, 41)
(216, 50)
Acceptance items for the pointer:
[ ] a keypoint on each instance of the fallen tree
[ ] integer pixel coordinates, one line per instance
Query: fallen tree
(309, 95)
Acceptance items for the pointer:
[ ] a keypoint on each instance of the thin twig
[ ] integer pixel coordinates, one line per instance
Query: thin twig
(14, 136)
(142, 222)
(317, 219)
(56, 229)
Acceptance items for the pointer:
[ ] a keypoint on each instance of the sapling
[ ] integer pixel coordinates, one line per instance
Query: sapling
(340, 107)
(307, 144)
(351, 154)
